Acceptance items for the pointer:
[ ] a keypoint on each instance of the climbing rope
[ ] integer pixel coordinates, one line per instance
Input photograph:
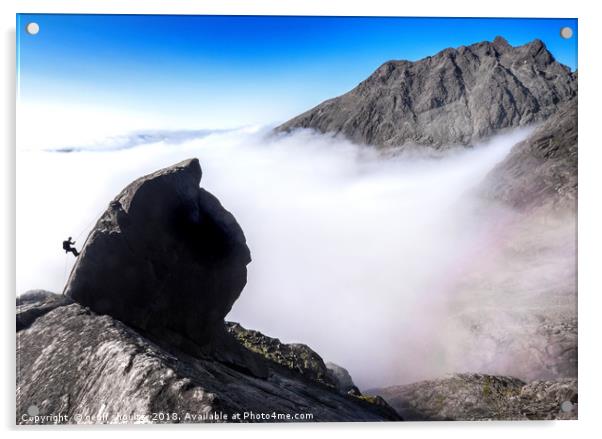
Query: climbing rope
(87, 226)
(65, 274)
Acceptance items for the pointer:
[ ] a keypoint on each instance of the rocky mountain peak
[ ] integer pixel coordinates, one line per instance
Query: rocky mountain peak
(501, 44)
(455, 97)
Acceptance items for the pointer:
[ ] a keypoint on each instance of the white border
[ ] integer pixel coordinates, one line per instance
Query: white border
(590, 218)
(308, 7)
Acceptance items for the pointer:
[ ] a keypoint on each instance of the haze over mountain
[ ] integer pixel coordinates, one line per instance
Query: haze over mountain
(526, 269)
(541, 170)
(458, 96)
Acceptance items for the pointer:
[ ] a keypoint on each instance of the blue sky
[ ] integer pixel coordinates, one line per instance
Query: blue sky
(218, 71)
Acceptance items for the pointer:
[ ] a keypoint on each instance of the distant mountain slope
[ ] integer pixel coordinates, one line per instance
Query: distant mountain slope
(457, 96)
(478, 397)
(541, 170)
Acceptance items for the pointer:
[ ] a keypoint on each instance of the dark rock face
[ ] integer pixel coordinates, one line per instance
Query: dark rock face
(457, 96)
(71, 361)
(542, 170)
(475, 397)
(165, 257)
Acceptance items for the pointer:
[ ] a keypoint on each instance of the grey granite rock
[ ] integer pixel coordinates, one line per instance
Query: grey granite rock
(471, 397)
(457, 96)
(540, 171)
(343, 379)
(165, 258)
(92, 368)
(35, 304)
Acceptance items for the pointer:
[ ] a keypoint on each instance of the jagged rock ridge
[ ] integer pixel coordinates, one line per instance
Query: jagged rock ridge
(457, 96)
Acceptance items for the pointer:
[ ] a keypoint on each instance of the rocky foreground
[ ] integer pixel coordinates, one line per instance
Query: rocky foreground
(92, 368)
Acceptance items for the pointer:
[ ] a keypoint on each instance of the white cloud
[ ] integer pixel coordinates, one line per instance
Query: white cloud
(353, 254)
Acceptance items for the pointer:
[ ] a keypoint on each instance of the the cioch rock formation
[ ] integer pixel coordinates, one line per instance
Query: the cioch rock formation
(455, 97)
(165, 258)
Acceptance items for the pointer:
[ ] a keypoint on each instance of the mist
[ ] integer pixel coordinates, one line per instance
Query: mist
(376, 262)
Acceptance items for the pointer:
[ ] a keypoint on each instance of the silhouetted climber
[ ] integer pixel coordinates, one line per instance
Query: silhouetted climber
(67, 247)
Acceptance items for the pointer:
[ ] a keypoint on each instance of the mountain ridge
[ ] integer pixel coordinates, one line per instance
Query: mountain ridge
(455, 97)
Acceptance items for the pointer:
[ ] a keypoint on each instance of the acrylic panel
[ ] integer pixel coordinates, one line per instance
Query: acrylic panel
(295, 219)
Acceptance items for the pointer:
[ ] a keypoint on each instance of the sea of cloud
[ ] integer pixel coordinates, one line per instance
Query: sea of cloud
(355, 253)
